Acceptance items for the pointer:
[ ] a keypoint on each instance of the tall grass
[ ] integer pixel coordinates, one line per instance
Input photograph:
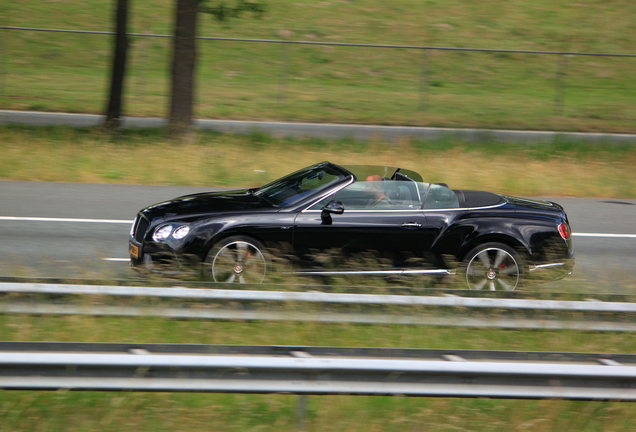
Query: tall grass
(147, 157)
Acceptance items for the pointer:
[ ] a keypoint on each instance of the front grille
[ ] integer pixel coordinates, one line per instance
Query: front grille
(141, 226)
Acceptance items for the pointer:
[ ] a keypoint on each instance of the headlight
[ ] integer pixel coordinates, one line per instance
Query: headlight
(181, 232)
(162, 233)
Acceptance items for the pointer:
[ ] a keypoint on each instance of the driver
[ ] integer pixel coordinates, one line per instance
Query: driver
(374, 188)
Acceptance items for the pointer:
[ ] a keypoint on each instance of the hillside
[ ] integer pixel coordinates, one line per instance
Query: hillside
(238, 80)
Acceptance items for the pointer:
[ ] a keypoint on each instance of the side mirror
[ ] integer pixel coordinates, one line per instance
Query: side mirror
(334, 207)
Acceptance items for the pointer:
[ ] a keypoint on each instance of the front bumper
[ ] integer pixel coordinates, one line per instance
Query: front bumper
(160, 258)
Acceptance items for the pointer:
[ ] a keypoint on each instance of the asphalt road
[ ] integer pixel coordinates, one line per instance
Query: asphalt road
(81, 230)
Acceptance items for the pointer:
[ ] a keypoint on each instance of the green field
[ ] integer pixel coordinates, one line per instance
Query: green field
(237, 80)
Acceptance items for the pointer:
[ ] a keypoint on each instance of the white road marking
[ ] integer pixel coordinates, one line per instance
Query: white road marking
(604, 235)
(42, 219)
(116, 259)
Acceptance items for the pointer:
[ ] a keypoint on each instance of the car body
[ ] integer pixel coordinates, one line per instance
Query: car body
(490, 241)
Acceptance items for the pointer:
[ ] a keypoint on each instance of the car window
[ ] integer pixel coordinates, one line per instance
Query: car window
(377, 195)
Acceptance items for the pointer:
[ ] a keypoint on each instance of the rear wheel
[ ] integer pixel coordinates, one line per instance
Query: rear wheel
(237, 260)
(493, 267)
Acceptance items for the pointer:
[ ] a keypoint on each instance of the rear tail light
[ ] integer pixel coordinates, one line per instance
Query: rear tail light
(565, 231)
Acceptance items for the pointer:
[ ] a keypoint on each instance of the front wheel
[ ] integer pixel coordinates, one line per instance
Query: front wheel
(237, 260)
(494, 267)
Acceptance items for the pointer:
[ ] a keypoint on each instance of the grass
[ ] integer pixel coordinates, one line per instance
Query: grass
(63, 410)
(184, 412)
(69, 73)
(93, 156)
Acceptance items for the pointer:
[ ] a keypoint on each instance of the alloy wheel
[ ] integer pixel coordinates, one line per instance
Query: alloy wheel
(493, 269)
(239, 262)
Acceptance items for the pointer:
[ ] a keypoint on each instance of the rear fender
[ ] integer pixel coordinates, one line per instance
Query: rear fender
(496, 237)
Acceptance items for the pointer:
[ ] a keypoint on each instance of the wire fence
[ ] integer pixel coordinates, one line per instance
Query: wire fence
(591, 84)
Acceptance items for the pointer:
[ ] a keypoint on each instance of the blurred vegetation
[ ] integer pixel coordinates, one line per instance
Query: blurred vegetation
(236, 80)
(146, 156)
(101, 412)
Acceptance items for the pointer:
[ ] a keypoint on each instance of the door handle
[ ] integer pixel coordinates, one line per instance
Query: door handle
(411, 225)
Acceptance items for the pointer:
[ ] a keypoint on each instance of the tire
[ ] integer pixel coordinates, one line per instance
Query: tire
(237, 260)
(494, 267)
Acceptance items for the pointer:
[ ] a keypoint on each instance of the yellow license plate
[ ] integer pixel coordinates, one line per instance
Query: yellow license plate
(134, 250)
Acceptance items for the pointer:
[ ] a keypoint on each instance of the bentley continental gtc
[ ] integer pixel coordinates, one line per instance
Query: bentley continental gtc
(485, 240)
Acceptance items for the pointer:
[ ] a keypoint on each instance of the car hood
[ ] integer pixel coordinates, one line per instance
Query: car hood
(205, 203)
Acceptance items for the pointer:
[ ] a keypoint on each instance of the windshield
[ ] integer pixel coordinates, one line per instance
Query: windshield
(297, 186)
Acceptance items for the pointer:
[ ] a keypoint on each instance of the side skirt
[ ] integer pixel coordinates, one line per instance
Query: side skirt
(374, 272)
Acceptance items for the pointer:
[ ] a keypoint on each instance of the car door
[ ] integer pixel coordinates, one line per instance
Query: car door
(392, 235)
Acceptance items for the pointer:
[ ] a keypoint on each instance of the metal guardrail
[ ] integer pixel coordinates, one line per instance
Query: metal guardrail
(227, 304)
(316, 370)
(320, 297)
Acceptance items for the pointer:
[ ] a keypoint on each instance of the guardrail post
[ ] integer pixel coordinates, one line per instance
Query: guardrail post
(422, 103)
(3, 56)
(559, 93)
(142, 61)
(284, 72)
(301, 409)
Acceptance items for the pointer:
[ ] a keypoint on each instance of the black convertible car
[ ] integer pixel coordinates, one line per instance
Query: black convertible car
(491, 241)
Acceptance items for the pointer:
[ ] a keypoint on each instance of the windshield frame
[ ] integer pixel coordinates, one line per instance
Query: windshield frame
(283, 192)
(361, 172)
